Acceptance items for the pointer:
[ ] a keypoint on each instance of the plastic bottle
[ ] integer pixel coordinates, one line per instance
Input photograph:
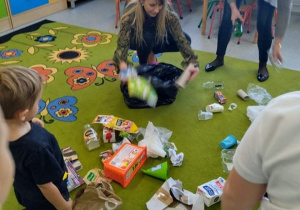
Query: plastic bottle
(277, 65)
(90, 137)
(205, 115)
(214, 85)
(238, 28)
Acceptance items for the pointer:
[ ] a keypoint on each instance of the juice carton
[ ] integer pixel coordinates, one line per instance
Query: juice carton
(212, 191)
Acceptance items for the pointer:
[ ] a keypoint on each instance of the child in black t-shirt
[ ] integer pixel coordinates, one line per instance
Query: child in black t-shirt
(41, 175)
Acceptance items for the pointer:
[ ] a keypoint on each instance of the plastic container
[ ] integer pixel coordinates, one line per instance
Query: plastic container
(214, 85)
(228, 142)
(91, 138)
(238, 28)
(258, 94)
(227, 157)
(214, 108)
(204, 115)
(277, 65)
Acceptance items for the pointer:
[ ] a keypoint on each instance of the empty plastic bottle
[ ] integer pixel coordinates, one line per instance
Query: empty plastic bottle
(238, 28)
(213, 85)
(90, 137)
(204, 115)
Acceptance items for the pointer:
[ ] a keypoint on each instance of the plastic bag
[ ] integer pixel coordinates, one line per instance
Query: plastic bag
(258, 94)
(154, 140)
(162, 77)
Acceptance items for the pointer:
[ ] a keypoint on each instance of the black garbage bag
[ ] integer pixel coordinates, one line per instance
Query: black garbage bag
(162, 78)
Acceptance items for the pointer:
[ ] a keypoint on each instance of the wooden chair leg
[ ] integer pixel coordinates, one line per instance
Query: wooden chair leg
(117, 2)
(255, 37)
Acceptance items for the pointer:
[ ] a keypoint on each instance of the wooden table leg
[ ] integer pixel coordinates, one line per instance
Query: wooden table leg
(204, 15)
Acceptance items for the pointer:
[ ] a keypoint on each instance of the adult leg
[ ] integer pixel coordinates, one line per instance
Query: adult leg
(169, 44)
(144, 49)
(264, 24)
(224, 36)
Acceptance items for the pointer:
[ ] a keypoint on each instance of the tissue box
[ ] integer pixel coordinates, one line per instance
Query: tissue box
(125, 163)
(212, 191)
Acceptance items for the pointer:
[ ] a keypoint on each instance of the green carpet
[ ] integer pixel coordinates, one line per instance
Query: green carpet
(55, 48)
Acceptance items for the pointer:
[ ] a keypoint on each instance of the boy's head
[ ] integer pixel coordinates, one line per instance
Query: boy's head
(20, 90)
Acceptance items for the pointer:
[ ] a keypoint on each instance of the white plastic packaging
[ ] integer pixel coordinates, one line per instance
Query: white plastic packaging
(214, 85)
(204, 115)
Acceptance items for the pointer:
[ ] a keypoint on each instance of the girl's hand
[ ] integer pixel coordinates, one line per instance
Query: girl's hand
(235, 13)
(277, 50)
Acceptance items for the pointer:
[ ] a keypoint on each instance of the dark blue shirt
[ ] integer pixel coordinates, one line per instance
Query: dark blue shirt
(38, 161)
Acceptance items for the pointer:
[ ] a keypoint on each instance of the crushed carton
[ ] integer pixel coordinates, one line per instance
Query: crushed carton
(171, 195)
(116, 123)
(125, 163)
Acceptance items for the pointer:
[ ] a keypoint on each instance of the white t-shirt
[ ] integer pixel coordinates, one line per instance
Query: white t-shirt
(270, 152)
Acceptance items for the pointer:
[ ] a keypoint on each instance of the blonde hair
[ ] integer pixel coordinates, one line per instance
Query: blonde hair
(139, 19)
(19, 89)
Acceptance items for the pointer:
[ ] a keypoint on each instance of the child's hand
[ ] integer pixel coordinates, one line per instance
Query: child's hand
(38, 122)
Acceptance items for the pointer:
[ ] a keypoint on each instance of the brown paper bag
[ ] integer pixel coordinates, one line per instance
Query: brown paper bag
(96, 196)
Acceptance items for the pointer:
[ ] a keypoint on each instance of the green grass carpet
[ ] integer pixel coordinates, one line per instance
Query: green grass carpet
(55, 48)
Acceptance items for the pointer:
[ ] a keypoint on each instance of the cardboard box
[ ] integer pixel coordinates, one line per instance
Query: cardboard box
(212, 191)
(109, 135)
(125, 163)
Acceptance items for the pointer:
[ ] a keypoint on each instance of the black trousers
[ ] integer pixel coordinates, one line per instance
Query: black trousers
(264, 24)
(150, 45)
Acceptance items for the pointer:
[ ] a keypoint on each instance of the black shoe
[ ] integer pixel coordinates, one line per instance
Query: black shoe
(210, 67)
(262, 77)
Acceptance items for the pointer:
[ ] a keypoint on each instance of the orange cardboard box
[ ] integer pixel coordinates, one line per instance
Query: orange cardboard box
(125, 163)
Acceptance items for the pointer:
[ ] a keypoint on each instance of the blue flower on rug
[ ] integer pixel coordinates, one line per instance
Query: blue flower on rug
(45, 39)
(11, 53)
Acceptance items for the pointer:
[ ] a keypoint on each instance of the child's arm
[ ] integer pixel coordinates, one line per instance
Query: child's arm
(53, 195)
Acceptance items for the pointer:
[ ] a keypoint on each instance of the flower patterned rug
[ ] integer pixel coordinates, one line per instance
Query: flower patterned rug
(81, 82)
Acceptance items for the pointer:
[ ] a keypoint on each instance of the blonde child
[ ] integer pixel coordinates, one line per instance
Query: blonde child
(40, 180)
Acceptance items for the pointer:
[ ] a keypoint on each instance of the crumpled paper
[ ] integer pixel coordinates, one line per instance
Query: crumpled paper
(163, 199)
(176, 159)
(154, 140)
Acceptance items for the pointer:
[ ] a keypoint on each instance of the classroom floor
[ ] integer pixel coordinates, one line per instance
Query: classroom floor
(100, 15)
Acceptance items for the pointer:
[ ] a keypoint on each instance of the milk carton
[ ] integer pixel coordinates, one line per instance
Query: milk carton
(212, 191)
